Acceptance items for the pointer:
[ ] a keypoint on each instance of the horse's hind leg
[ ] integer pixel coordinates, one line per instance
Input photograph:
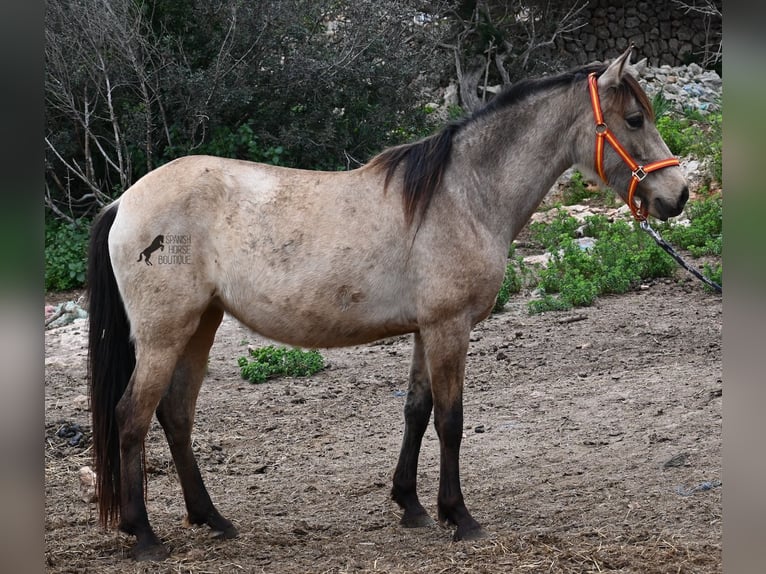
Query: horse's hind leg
(176, 415)
(160, 345)
(417, 412)
(134, 412)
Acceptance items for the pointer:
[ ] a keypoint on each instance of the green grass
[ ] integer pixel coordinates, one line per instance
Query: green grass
(270, 361)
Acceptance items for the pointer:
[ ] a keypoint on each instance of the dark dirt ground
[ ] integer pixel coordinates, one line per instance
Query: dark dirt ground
(586, 435)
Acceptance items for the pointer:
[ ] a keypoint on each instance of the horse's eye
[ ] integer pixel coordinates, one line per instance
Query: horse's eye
(635, 121)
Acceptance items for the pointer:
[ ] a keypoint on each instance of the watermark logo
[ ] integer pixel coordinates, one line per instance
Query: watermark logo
(178, 250)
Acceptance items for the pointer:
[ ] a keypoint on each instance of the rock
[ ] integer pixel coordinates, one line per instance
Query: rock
(64, 314)
(87, 484)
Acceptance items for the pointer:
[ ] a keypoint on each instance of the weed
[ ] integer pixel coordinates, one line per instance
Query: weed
(270, 361)
(714, 273)
(661, 105)
(704, 233)
(619, 260)
(577, 190)
(554, 232)
(697, 135)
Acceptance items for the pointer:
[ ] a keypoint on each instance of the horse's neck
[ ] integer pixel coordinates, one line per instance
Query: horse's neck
(511, 161)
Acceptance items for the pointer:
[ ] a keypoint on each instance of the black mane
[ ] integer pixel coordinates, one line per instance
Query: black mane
(426, 160)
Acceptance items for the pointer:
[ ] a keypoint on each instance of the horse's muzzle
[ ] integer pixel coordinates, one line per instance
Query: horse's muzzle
(665, 209)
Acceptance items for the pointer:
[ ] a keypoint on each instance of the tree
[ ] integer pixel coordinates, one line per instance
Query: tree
(131, 84)
(110, 70)
(494, 41)
(710, 10)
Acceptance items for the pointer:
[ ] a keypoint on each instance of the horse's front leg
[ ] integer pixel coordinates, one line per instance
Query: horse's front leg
(445, 349)
(417, 412)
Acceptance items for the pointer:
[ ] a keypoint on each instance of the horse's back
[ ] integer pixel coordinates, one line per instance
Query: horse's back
(308, 258)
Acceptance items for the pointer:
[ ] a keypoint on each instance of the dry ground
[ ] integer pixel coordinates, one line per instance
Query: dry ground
(590, 438)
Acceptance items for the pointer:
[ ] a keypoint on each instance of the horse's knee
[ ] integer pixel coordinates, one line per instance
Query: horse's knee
(418, 406)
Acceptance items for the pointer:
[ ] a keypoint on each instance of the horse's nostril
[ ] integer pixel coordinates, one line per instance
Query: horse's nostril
(684, 197)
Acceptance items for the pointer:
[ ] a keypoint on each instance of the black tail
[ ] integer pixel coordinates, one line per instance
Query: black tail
(111, 360)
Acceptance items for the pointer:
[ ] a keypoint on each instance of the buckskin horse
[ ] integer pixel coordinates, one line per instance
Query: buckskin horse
(415, 241)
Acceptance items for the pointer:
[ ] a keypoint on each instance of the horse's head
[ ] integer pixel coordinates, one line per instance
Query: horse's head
(630, 154)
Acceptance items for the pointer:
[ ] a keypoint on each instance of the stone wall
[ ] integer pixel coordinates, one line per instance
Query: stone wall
(662, 32)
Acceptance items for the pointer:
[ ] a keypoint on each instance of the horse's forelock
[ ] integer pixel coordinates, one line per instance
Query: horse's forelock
(630, 87)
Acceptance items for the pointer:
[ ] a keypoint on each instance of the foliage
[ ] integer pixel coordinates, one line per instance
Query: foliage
(661, 105)
(714, 273)
(697, 135)
(270, 361)
(616, 262)
(703, 235)
(511, 281)
(317, 85)
(498, 42)
(554, 232)
(66, 246)
(579, 191)
(240, 143)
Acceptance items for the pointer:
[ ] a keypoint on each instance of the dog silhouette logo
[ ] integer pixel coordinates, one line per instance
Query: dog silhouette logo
(157, 243)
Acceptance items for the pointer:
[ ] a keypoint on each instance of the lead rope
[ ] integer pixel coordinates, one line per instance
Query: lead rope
(672, 252)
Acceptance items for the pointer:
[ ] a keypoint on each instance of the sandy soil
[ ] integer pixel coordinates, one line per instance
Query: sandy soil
(592, 444)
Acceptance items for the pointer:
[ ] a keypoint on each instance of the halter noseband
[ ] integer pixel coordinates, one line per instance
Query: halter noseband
(638, 172)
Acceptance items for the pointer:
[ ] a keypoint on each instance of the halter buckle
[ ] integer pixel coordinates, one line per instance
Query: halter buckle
(639, 173)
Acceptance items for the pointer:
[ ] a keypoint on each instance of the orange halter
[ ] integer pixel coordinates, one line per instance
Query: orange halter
(638, 172)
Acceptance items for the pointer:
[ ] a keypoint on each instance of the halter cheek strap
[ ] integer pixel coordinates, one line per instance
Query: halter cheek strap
(638, 172)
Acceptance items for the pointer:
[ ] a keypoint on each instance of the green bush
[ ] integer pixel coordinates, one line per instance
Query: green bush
(714, 273)
(619, 260)
(578, 191)
(551, 234)
(511, 284)
(661, 105)
(704, 234)
(697, 135)
(66, 248)
(270, 361)
(621, 257)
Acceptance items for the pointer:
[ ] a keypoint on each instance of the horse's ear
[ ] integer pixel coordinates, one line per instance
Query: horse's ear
(612, 76)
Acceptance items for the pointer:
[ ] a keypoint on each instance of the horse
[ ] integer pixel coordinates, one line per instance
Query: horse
(415, 241)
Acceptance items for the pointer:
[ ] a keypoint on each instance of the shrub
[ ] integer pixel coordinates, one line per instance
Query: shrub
(704, 234)
(270, 361)
(619, 259)
(511, 284)
(551, 234)
(697, 135)
(714, 273)
(66, 247)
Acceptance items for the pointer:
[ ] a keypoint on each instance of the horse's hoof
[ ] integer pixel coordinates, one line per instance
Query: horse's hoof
(225, 534)
(472, 533)
(419, 520)
(153, 553)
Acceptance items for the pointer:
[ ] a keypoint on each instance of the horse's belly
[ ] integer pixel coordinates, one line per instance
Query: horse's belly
(315, 315)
